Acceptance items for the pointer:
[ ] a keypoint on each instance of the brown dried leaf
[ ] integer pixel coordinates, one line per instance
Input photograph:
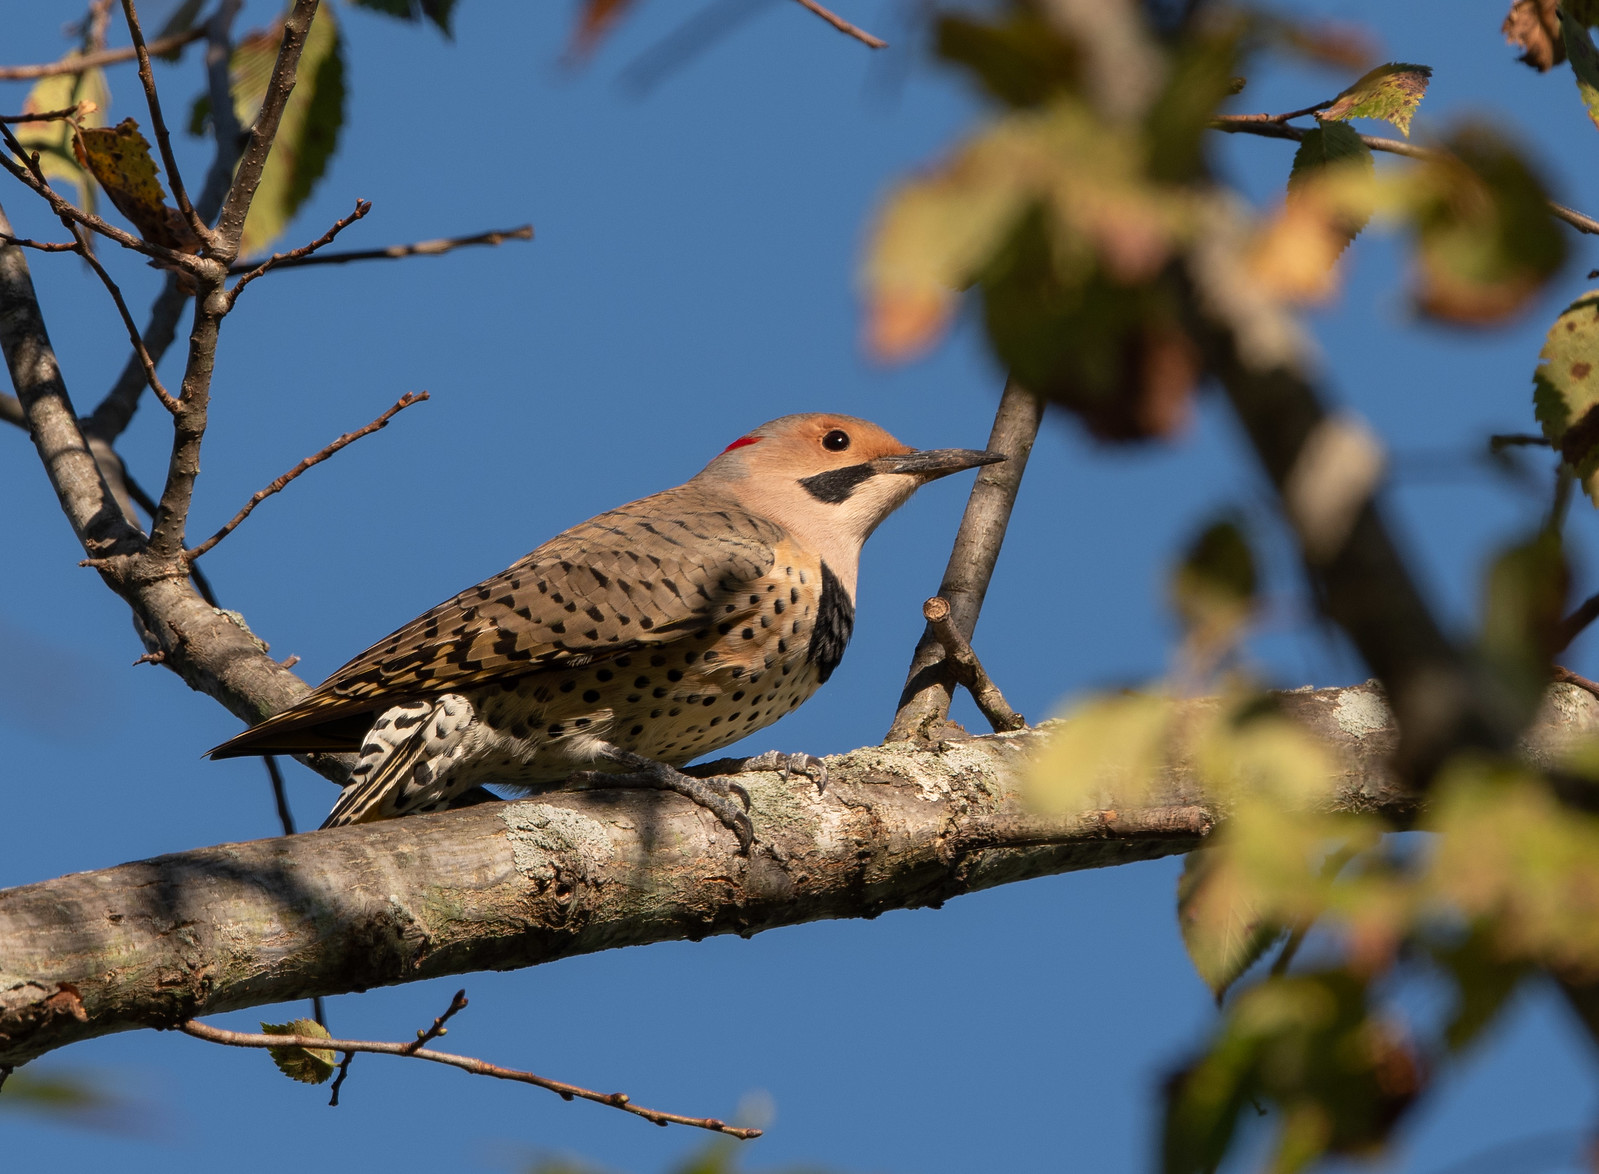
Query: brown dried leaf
(119, 157)
(1533, 26)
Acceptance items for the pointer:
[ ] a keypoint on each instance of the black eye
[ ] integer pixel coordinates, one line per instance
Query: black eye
(836, 441)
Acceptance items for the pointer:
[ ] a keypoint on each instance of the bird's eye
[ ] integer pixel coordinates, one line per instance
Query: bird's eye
(836, 441)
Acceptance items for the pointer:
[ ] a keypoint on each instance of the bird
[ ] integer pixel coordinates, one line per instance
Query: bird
(630, 644)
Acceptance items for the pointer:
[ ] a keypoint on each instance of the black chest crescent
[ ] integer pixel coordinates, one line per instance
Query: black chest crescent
(835, 620)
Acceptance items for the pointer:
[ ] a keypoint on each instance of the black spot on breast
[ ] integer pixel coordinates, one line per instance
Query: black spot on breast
(835, 620)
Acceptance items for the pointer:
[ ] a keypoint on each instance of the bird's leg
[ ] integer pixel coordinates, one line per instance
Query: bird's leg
(788, 765)
(713, 794)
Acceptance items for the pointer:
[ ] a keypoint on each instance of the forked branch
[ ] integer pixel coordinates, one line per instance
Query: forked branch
(362, 207)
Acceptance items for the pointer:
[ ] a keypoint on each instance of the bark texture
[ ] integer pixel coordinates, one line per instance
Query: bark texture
(508, 885)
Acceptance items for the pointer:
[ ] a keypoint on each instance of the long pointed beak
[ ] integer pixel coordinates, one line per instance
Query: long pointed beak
(930, 464)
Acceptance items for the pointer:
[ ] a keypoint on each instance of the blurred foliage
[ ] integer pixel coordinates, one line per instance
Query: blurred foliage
(80, 1099)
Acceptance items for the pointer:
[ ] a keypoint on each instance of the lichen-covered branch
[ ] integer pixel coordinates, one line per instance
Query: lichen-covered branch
(503, 885)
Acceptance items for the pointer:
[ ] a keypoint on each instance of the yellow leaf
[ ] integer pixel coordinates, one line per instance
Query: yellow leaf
(119, 157)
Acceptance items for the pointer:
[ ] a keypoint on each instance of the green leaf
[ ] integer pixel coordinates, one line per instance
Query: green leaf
(1328, 144)
(307, 1065)
(438, 11)
(1486, 240)
(53, 140)
(1020, 60)
(1565, 384)
(1221, 923)
(1339, 1076)
(1390, 92)
(1523, 606)
(1584, 59)
(308, 133)
(1213, 588)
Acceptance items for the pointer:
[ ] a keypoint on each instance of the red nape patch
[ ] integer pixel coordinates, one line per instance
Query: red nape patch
(741, 442)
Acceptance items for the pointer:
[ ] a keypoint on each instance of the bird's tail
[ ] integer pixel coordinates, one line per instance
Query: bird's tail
(405, 761)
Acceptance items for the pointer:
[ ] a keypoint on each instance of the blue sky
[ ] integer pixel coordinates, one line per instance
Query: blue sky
(693, 275)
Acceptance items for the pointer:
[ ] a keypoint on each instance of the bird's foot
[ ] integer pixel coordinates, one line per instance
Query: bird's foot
(788, 765)
(720, 797)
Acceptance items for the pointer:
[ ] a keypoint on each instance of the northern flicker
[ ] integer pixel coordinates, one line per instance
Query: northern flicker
(633, 642)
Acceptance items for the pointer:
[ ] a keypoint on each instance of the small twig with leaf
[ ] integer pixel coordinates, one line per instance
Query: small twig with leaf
(316, 458)
(304, 1052)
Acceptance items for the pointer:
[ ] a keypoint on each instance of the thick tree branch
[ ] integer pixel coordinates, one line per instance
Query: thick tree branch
(502, 885)
(930, 684)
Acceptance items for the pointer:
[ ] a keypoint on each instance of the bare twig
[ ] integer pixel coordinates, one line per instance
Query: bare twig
(315, 458)
(11, 410)
(1503, 440)
(1281, 117)
(930, 684)
(969, 670)
(1250, 124)
(1566, 677)
(616, 1100)
(430, 248)
(362, 207)
(338, 1081)
(230, 222)
(113, 414)
(1572, 626)
(422, 1037)
(162, 137)
(44, 115)
(16, 73)
(844, 26)
(279, 794)
(145, 361)
(42, 246)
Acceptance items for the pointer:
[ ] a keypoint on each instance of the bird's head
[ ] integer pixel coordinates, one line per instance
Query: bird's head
(829, 480)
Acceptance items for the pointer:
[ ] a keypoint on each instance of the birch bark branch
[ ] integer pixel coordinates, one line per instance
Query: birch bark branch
(508, 885)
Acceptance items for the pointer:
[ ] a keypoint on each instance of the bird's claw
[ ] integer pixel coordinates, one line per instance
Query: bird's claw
(790, 765)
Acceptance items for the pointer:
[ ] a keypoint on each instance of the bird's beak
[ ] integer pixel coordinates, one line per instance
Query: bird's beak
(930, 464)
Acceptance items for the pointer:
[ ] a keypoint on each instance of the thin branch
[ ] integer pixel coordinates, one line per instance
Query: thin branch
(432, 1033)
(315, 458)
(844, 26)
(44, 116)
(230, 222)
(1503, 440)
(145, 361)
(28, 173)
(42, 246)
(616, 1100)
(113, 414)
(430, 248)
(1566, 677)
(338, 1081)
(159, 47)
(969, 670)
(930, 683)
(1572, 626)
(1282, 117)
(362, 207)
(279, 793)
(11, 411)
(162, 137)
(1249, 124)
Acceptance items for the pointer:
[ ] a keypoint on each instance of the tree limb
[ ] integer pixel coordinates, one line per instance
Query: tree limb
(503, 885)
(930, 684)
